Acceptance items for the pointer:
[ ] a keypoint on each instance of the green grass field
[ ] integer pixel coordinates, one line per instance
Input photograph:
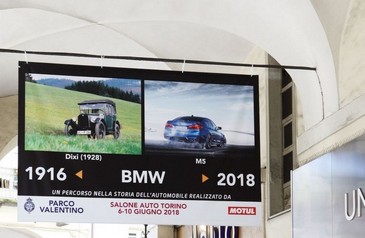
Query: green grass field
(47, 108)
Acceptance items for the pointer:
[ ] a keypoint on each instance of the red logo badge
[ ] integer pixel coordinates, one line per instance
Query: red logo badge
(241, 210)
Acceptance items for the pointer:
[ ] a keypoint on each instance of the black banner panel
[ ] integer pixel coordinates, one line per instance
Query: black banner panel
(116, 145)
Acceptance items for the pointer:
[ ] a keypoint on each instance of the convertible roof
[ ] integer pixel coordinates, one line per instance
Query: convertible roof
(96, 101)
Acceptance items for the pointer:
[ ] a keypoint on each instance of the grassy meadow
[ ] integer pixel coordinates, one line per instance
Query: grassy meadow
(47, 108)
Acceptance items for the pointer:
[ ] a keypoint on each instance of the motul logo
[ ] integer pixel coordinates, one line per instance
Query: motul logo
(241, 210)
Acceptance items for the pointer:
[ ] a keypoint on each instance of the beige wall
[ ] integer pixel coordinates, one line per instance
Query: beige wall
(348, 48)
(184, 232)
(344, 22)
(351, 55)
(9, 123)
(165, 231)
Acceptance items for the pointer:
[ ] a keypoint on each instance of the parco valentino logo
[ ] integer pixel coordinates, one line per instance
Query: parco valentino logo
(29, 205)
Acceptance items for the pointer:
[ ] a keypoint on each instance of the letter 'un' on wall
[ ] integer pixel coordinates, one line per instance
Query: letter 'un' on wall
(115, 145)
(358, 203)
(328, 194)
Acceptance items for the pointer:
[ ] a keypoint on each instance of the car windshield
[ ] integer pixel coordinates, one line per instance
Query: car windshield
(92, 108)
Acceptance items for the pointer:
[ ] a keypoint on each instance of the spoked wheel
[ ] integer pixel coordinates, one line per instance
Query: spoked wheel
(116, 131)
(68, 131)
(100, 130)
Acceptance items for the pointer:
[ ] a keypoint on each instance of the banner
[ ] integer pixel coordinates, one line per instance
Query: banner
(115, 145)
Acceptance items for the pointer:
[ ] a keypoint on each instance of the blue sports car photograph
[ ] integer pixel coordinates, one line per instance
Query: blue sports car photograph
(188, 118)
(199, 131)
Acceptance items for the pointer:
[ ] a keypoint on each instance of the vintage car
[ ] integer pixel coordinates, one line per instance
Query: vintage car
(97, 119)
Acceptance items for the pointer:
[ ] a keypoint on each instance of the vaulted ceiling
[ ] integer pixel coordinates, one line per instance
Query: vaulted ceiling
(296, 32)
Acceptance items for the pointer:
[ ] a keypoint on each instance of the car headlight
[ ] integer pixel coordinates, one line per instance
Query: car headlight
(93, 118)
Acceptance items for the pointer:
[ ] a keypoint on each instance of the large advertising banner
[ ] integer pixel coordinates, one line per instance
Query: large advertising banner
(116, 145)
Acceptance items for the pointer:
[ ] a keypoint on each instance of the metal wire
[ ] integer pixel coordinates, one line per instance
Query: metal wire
(165, 60)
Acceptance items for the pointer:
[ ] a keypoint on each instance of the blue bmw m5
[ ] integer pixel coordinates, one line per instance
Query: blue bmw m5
(198, 130)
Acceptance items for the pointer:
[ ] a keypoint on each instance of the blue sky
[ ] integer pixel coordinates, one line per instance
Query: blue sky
(74, 78)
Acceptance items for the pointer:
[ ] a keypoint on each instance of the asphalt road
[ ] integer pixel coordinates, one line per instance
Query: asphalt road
(186, 149)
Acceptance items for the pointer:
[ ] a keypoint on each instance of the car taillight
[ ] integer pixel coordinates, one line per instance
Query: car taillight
(195, 127)
(168, 125)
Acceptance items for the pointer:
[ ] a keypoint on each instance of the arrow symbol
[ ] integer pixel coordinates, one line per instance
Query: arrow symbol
(80, 174)
(204, 178)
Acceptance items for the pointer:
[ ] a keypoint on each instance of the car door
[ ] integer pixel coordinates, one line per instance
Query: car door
(216, 135)
(109, 118)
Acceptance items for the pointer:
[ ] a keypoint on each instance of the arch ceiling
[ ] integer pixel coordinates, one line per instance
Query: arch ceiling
(210, 30)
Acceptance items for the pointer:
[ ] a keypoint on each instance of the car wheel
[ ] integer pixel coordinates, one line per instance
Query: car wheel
(171, 141)
(100, 130)
(68, 131)
(222, 143)
(208, 142)
(116, 131)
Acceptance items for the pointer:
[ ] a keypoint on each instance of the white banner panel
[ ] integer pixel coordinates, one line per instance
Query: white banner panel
(107, 210)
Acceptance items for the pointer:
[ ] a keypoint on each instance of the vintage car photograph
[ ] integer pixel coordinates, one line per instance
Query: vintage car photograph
(97, 119)
(67, 113)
